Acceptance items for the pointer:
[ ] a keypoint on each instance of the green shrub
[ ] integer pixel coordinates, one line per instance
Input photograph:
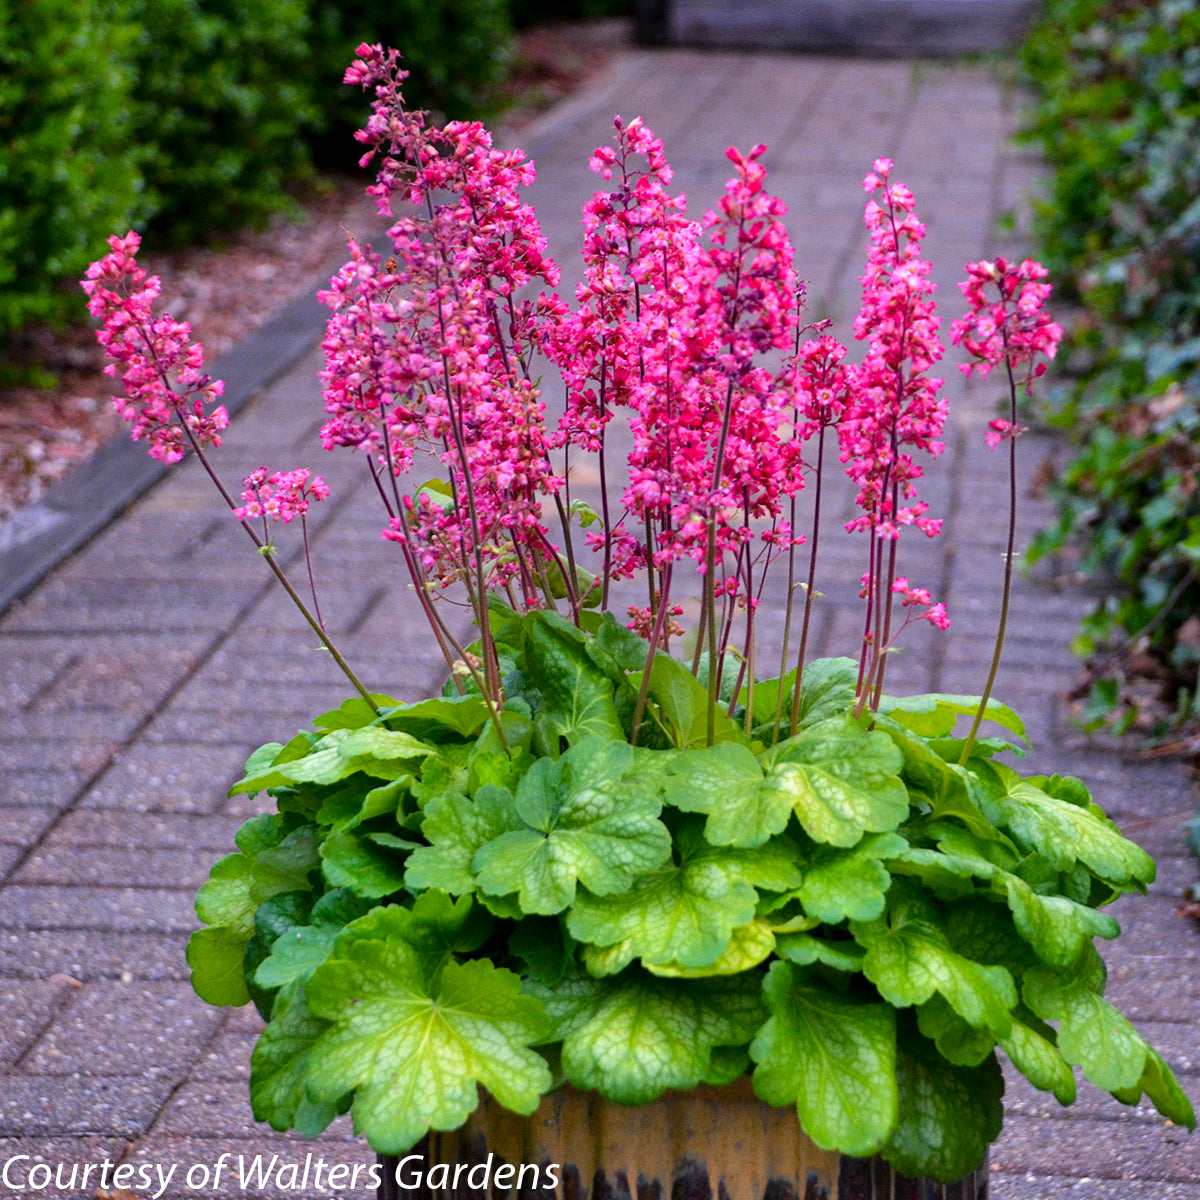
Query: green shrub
(541, 12)
(1118, 119)
(457, 53)
(68, 159)
(223, 92)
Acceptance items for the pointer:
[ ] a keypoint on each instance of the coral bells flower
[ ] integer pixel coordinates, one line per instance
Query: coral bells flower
(894, 404)
(167, 395)
(430, 349)
(281, 495)
(1010, 327)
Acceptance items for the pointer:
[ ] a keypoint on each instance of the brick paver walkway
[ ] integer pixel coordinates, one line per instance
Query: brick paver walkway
(137, 677)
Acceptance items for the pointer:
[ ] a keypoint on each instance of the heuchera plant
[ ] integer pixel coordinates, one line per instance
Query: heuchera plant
(615, 851)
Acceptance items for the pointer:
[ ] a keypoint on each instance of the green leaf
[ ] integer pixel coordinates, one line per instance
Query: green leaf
(433, 719)
(949, 1115)
(911, 960)
(959, 1043)
(682, 702)
(215, 955)
(413, 1054)
(352, 714)
(841, 884)
(831, 1055)
(363, 865)
(456, 828)
(589, 817)
(726, 782)
(804, 949)
(683, 913)
(634, 1036)
(279, 1068)
(934, 715)
(1040, 1061)
(1092, 1034)
(749, 945)
(826, 690)
(578, 697)
(840, 780)
(1162, 1089)
(300, 946)
(1061, 830)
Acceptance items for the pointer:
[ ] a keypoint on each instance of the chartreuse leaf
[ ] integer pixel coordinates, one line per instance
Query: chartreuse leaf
(415, 1051)
(456, 827)
(383, 753)
(962, 1044)
(910, 960)
(1038, 1058)
(1159, 1085)
(215, 955)
(279, 1070)
(949, 1115)
(1060, 829)
(840, 780)
(578, 697)
(804, 949)
(275, 858)
(588, 817)
(1092, 1034)
(353, 713)
(749, 945)
(833, 1056)
(685, 912)
(840, 884)
(726, 781)
(934, 715)
(634, 1036)
(682, 702)
(301, 946)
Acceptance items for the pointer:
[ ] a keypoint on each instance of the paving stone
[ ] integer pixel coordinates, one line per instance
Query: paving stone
(162, 1027)
(168, 777)
(47, 787)
(26, 1008)
(1003, 1186)
(20, 1154)
(33, 1106)
(81, 954)
(104, 865)
(112, 827)
(128, 910)
(1068, 1146)
(22, 825)
(226, 1059)
(254, 1154)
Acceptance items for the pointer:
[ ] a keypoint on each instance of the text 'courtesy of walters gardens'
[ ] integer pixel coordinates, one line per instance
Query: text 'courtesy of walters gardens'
(28, 1174)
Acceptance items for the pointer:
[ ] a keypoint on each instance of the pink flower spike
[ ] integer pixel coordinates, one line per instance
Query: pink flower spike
(167, 396)
(1000, 430)
(1006, 321)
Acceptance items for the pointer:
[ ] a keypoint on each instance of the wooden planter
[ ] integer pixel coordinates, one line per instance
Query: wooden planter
(708, 1143)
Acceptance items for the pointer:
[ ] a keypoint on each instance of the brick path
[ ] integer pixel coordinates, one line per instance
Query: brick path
(138, 676)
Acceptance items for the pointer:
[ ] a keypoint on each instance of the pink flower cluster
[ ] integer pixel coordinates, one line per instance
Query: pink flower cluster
(430, 350)
(894, 404)
(280, 495)
(673, 316)
(1013, 327)
(167, 395)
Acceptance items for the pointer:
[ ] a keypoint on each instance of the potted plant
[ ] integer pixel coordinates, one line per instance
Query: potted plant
(619, 858)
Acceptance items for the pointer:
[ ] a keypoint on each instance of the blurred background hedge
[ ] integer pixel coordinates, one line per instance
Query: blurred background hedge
(1118, 120)
(186, 117)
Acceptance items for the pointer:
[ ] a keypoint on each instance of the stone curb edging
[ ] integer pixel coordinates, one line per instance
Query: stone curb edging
(71, 512)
